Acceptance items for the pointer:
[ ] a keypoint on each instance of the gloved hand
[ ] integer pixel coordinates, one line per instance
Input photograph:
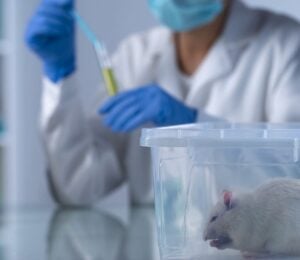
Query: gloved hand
(130, 110)
(51, 35)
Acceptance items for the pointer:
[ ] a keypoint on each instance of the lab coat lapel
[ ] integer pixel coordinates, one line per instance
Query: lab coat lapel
(241, 27)
(166, 69)
(161, 69)
(216, 64)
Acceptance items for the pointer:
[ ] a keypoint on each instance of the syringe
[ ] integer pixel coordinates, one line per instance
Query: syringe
(102, 56)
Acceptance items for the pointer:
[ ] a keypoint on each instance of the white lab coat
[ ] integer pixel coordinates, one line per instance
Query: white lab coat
(251, 74)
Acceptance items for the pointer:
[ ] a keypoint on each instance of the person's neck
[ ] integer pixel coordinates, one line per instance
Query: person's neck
(193, 46)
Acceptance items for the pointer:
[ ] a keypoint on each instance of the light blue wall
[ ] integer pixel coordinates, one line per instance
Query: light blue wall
(113, 20)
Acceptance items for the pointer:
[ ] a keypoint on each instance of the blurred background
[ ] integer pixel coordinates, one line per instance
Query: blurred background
(23, 167)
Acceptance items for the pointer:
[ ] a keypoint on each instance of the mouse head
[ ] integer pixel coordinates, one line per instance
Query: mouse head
(221, 221)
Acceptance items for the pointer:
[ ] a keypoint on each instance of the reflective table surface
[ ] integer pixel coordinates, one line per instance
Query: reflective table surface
(72, 234)
(82, 234)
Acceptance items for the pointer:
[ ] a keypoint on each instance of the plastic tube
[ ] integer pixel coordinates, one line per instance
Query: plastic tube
(101, 54)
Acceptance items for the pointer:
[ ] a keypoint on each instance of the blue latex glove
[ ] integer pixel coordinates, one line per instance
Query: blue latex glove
(150, 104)
(51, 35)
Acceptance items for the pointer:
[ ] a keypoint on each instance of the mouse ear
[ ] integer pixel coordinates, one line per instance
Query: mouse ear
(227, 197)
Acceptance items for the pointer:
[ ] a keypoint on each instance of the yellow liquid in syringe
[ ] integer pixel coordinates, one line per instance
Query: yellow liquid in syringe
(110, 81)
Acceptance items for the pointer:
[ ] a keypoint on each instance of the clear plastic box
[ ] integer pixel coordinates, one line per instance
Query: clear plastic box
(193, 164)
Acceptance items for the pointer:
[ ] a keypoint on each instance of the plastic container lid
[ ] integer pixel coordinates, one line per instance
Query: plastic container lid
(222, 134)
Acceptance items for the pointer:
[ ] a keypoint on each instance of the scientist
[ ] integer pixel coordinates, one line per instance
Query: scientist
(210, 60)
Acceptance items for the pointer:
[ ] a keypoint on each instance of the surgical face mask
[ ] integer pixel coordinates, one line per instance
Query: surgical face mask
(185, 15)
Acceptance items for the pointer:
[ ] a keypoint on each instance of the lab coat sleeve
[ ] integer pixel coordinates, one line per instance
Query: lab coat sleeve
(83, 163)
(284, 103)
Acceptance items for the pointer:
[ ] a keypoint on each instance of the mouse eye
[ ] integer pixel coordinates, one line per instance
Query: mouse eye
(213, 218)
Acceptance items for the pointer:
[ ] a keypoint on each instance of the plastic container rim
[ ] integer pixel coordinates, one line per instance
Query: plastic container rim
(222, 134)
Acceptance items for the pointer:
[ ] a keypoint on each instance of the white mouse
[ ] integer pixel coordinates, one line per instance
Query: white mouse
(263, 222)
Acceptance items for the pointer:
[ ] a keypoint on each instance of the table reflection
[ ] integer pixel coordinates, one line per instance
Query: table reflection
(79, 234)
(84, 234)
(94, 234)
